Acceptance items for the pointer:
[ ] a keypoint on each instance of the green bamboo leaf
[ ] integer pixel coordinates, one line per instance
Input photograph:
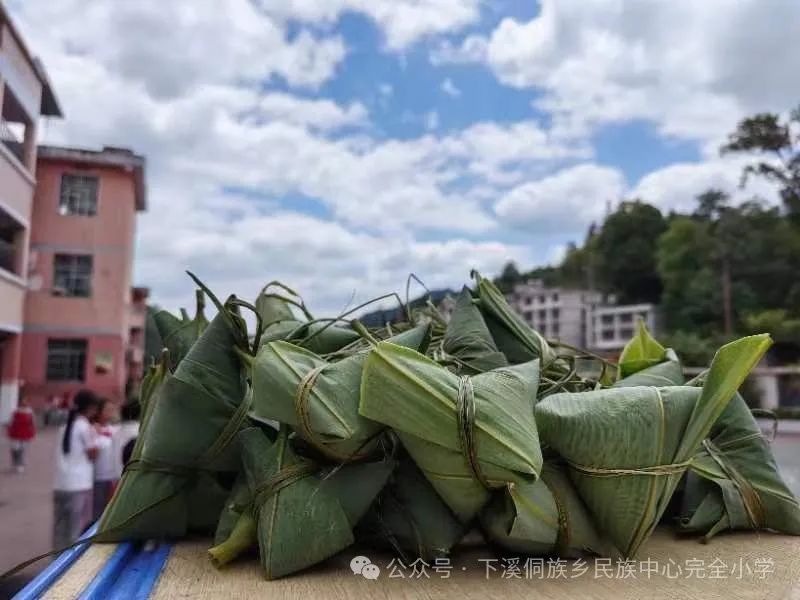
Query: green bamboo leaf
(514, 338)
(297, 525)
(353, 486)
(191, 420)
(418, 398)
(736, 482)
(410, 518)
(543, 518)
(641, 352)
(669, 372)
(281, 324)
(468, 339)
(628, 447)
(178, 335)
(302, 518)
(239, 501)
(153, 379)
(317, 398)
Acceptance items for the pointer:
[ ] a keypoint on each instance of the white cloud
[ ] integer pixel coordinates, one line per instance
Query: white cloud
(316, 114)
(449, 88)
(324, 261)
(172, 47)
(693, 68)
(226, 155)
(564, 202)
(402, 21)
(677, 186)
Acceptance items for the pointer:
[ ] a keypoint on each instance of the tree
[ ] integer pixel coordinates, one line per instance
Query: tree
(509, 277)
(691, 295)
(778, 144)
(625, 252)
(724, 263)
(713, 208)
(711, 204)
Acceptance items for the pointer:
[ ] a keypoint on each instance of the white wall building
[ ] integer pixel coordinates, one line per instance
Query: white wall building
(555, 312)
(583, 318)
(612, 326)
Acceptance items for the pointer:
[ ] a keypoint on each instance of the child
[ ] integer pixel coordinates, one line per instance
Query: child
(21, 430)
(126, 435)
(72, 498)
(106, 473)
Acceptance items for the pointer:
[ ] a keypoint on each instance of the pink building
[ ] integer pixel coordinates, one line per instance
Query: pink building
(25, 95)
(83, 324)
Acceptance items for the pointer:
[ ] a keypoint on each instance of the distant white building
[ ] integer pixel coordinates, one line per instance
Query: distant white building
(555, 312)
(583, 318)
(613, 325)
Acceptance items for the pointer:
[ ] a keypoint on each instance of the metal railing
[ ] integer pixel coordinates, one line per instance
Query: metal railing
(11, 141)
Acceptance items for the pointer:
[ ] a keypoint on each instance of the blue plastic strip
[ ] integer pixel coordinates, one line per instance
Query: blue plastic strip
(106, 578)
(153, 571)
(141, 574)
(42, 582)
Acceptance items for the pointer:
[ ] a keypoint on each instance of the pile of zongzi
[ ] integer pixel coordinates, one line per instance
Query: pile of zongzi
(303, 436)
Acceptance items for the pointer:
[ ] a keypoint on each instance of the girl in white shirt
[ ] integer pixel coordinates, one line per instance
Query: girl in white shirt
(72, 498)
(105, 465)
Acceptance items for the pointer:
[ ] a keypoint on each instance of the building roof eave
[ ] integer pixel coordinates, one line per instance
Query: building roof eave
(121, 158)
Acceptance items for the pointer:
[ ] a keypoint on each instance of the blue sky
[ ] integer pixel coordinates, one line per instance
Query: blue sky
(340, 145)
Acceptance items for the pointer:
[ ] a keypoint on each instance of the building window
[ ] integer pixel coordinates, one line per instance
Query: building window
(554, 330)
(542, 314)
(626, 318)
(607, 319)
(78, 195)
(528, 314)
(72, 275)
(555, 297)
(607, 335)
(541, 299)
(66, 360)
(555, 313)
(626, 333)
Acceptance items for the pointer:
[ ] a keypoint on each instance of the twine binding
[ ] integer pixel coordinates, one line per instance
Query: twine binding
(655, 471)
(465, 414)
(303, 417)
(283, 478)
(750, 498)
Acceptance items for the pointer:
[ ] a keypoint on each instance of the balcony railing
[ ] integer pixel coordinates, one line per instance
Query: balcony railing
(11, 141)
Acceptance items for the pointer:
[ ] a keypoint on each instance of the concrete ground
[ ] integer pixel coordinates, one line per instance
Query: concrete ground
(26, 508)
(26, 499)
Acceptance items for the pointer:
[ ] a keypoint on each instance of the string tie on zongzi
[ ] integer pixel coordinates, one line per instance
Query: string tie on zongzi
(301, 408)
(563, 535)
(750, 498)
(283, 478)
(465, 413)
(654, 471)
(232, 427)
(152, 466)
(304, 389)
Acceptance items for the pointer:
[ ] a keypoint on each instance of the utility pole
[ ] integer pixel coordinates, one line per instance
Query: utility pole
(721, 231)
(727, 299)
